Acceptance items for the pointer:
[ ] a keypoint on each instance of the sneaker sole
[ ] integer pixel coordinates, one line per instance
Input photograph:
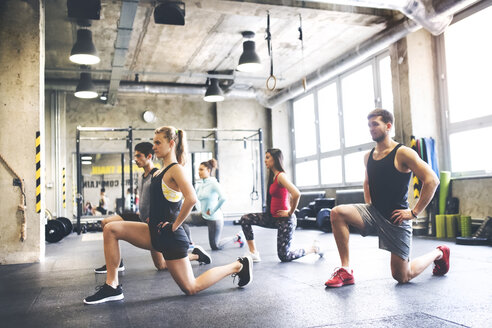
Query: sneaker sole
(204, 253)
(348, 282)
(250, 274)
(120, 269)
(107, 299)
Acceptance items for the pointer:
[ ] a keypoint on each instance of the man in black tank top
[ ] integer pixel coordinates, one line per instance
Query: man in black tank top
(389, 166)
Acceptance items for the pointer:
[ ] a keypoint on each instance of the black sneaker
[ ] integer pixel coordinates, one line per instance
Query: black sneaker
(203, 257)
(104, 270)
(105, 293)
(246, 273)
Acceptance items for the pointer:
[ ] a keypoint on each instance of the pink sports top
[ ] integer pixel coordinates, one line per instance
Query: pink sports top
(280, 197)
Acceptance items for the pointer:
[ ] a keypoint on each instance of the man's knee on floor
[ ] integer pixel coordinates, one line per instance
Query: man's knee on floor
(401, 277)
(189, 290)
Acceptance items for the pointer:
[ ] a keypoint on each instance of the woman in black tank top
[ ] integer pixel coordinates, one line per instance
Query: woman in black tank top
(172, 198)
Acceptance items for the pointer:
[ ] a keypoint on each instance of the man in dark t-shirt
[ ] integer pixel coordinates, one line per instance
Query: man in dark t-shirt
(389, 166)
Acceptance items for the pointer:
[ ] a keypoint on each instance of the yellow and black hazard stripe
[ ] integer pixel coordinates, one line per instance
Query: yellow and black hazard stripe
(417, 185)
(38, 172)
(64, 197)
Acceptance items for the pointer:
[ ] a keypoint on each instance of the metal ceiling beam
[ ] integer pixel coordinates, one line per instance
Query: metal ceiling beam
(324, 5)
(125, 28)
(236, 76)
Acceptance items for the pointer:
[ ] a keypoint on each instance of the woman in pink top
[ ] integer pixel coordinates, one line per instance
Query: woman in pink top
(282, 201)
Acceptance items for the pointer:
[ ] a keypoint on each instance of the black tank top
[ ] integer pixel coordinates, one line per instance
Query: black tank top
(388, 186)
(161, 210)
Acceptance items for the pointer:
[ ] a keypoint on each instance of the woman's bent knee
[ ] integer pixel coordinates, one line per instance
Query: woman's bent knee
(189, 291)
(243, 219)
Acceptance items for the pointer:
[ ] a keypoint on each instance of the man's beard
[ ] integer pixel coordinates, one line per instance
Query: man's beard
(379, 138)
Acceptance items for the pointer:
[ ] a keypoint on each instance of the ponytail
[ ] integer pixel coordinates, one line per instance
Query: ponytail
(211, 165)
(179, 137)
(181, 147)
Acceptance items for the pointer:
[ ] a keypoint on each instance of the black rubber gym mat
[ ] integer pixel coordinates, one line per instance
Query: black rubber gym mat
(417, 319)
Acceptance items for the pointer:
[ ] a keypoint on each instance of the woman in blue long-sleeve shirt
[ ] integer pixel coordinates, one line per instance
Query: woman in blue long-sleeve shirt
(211, 198)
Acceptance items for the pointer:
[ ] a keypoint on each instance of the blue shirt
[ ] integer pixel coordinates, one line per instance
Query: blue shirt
(210, 197)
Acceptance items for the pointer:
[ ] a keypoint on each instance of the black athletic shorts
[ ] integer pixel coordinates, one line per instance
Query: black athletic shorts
(130, 216)
(173, 245)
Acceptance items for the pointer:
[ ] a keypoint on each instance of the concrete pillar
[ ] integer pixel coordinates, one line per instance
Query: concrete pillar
(415, 87)
(235, 163)
(21, 116)
(282, 135)
(415, 91)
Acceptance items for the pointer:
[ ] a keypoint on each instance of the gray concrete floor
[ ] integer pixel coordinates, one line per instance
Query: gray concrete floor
(50, 294)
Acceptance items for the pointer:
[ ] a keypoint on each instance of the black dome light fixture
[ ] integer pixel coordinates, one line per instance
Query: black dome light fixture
(249, 60)
(86, 88)
(214, 93)
(84, 52)
(170, 13)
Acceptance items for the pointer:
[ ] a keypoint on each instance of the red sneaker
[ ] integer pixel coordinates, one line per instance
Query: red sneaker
(441, 266)
(340, 278)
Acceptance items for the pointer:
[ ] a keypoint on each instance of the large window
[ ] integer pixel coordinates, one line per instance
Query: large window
(330, 125)
(468, 109)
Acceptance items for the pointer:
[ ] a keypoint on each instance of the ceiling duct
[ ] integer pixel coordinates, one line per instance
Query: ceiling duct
(432, 15)
(84, 9)
(149, 88)
(170, 13)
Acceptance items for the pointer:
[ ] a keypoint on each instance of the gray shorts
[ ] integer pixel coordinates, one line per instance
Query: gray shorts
(396, 239)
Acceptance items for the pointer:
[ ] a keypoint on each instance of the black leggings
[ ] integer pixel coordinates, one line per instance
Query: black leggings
(285, 230)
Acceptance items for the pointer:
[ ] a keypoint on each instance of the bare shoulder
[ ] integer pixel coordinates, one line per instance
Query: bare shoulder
(176, 170)
(406, 159)
(406, 153)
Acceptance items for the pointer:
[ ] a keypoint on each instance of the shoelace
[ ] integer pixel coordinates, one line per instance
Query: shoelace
(98, 288)
(336, 273)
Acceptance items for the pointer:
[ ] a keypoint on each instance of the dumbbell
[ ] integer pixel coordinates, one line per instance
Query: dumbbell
(55, 230)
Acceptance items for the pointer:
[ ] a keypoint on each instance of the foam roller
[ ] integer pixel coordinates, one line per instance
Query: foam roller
(465, 223)
(440, 226)
(445, 179)
(451, 225)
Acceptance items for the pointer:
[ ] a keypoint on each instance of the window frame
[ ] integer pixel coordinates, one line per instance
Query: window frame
(447, 127)
(343, 151)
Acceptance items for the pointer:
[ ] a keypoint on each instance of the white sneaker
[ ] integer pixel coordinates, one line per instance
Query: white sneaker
(254, 256)
(316, 248)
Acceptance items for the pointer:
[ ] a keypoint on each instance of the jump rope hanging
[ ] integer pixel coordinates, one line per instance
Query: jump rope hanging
(304, 80)
(272, 80)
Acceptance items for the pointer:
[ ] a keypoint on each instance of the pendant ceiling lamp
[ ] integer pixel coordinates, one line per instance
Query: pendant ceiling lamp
(214, 92)
(84, 52)
(249, 60)
(85, 89)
